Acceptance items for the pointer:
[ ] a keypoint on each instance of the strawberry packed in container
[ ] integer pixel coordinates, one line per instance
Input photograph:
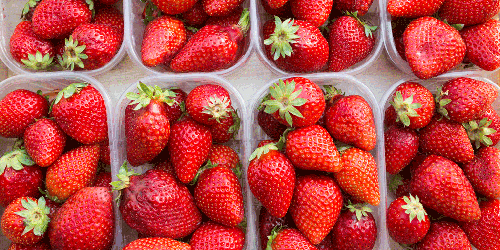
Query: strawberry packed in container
(442, 159)
(55, 163)
(311, 36)
(314, 171)
(430, 38)
(180, 155)
(55, 35)
(188, 36)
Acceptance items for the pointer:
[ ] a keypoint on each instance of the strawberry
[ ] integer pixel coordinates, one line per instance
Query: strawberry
(312, 148)
(441, 185)
(157, 204)
(224, 156)
(265, 142)
(44, 141)
(25, 220)
(173, 7)
(407, 221)
(401, 146)
(72, 171)
(464, 99)
(468, 12)
(446, 138)
(212, 48)
(485, 130)
(41, 245)
(358, 176)
(355, 229)
(274, 4)
(289, 238)
(398, 25)
(174, 111)
(483, 44)
(188, 147)
(483, 172)
(220, 7)
(195, 16)
(103, 179)
(229, 20)
(272, 127)
(444, 235)
(58, 18)
(413, 9)
(18, 109)
(432, 47)
(295, 45)
(316, 12)
(105, 152)
(150, 13)
(413, 104)
(80, 111)
(157, 243)
(162, 39)
(112, 17)
(19, 177)
(107, 2)
(483, 233)
(268, 170)
(165, 166)
(295, 102)
(85, 221)
(28, 9)
(227, 128)
(315, 206)
(283, 12)
(214, 236)
(208, 104)
(267, 222)
(27, 48)
(326, 244)
(399, 185)
(359, 6)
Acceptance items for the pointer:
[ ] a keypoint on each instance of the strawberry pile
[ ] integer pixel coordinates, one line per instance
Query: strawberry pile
(438, 35)
(193, 193)
(194, 36)
(67, 34)
(311, 36)
(317, 161)
(444, 166)
(61, 143)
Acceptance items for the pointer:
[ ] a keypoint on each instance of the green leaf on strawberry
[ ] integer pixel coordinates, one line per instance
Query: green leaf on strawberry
(360, 209)
(283, 35)
(368, 29)
(285, 99)
(263, 150)
(73, 54)
(478, 132)
(35, 216)
(236, 124)
(405, 108)
(15, 159)
(38, 61)
(414, 208)
(442, 102)
(147, 93)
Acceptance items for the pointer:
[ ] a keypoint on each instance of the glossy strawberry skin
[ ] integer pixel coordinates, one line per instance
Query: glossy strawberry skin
(224, 156)
(173, 7)
(162, 39)
(267, 223)
(102, 179)
(220, 7)
(349, 233)
(483, 44)
(271, 126)
(112, 17)
(491, 115)
(195, 16)
(199, 99)
(157, 242)
(13, 225)
(444, 235)
(483, 233)
(399, 226)
(359, 6)
(316, 12)
(484, 172)
(228, 20)
(19, 183)
(413, 9)
(291, 238)
(175, 111)
(401, 146)
(420, 95)
(284, 11)
(211, 235)
(41, 245)
(24, 41)
(44, 141)
(469, 12)
(225, 130)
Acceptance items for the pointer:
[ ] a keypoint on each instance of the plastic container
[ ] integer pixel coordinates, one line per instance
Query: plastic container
(432, 85)
(10, 13)
(351, 86)
(186, 83)
(48, 83)
(134, 30)
(374, 17)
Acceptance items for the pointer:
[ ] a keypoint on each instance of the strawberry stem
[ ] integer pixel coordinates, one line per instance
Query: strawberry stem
(38, 61)
(35, 216)
(16, 160)
(284, 34)
(414, 208)
(148, 93)
(73, 54)
(285, 99)
(478, 132)
(244, 22)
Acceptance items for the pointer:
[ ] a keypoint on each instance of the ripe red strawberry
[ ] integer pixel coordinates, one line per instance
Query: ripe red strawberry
(208, 104)
(413, 104)
(103, 179)
(289, 238)
(165, 166)
(483, 44)
(485, 130)
(312, 148)
(432, 47)
(265, 142)
(214, 236)
(162, 39)
(274, 4)
(355, 229)
(267, 223)
(157, 243)
(351, 40)
(295, 45)
(72, 171)
(173, 7)
(80, 111)
(283, 12)
(224, 156)
(272, 127)
(172, 213)
(444, 235)
(188, 147)
(105, 152)
(464, 99)
(316, 12)
(44, 141)
(468, 12)
(58, 18)
(407, 221)
(295, 102)
(401, 146)
(483, 172)
(227, 128)
(398, 25)
(25, 220)
(41, 245)
(269, 169)
(441, 185)
(195, 16)
(18, 109)
(446, 138)
(359, 6)
(85, 221)
(483, 234)
(112, 17)
(412, 9)
(229, 20)
(27, 48)
(399, 185)
(358, 176)
(174, 111)
(316, 205)
(220, 7)
(19, 176)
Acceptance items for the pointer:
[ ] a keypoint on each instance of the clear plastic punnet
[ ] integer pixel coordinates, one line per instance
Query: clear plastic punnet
(350, 86)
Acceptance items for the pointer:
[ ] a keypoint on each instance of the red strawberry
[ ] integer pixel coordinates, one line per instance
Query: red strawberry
(312, 148)
(412, 9)
(19, 176)
(441, 185)
(407, 221)
(358, 176)
(468, 12)
(72, 171)
(103, 179)
(274, 4)
(267, 223)
(484, 172)
(390, 116)
(208, 104)
(214, 236)
(229, 20)
(432, 47)
(483, 44)
(359, 6)
(315, 12)
(289, 238)
(398, 26)
(28, 9)
(399, 185)
(295, 45)
(41, 245)
(483, 233)
(413, 104)
(85, 221)
(112, 17)
(268, 170)
(58, 18)
(355, 229)
(157, 242)
(195, 16)
(227, 128)
(485, 130)
(44, 141)
(162, 39)
(174, 111)
(464, 99)
(224, 156)
(326, 244)
(25, 220)
(265, 142)
(105, 152)
(283, 12)
(18, 109)
(401, 146)
(80, 111)
(444, 235)
(220, 7)
(315, 206)
(27, 48)
(166, 166)
(173, 7)
(272, 127)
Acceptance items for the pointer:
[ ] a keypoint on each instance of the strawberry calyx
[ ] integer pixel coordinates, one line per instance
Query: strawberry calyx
(285, 100)
(244, 22)
(28, 9)
(368, 29)
(233, 129)
(123, 180)
(38, 61)
(69, 91)
(332, 94)
(414, 208)
(478, 132)
(217, 108)
(441, 102)
(202, 169)
(90, 3)
(257, 153)
(16, 159)
(360, 209)
(282, 141)
(36, 216)
(151, 12)
(148, 93)
(284, 34)
(396, 181)
(274, 234)
(72, 55)
(50, 197)
(405, 108)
